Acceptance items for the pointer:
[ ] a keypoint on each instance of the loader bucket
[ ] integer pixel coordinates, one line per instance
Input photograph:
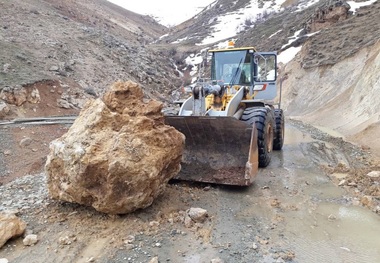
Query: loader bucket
(220, 150)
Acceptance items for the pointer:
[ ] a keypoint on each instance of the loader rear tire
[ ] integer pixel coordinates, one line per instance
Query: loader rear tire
(264, 121)
(279, 134)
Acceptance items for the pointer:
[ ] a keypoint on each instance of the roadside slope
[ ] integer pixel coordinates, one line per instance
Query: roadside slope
(342, 97)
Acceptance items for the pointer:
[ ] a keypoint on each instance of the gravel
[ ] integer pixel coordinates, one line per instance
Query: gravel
(24, 194)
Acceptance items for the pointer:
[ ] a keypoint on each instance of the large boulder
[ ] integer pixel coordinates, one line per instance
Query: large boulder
(10, 226)
(117, 156)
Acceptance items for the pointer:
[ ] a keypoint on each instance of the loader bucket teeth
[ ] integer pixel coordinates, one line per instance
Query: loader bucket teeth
(221, 150)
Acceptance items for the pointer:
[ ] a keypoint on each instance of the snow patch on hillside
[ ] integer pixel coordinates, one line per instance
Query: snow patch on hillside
(230, 24)
(305, 4)
(288, 55)
(355, 5)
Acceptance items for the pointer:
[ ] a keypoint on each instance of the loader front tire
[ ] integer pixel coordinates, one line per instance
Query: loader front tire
(264, 120)
(280, 129)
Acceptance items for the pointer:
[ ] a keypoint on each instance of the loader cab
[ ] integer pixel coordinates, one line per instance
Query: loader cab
(257, 71)
(232, 67)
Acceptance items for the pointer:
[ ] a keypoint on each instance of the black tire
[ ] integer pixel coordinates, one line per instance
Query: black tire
(264, 120)
(279, 133)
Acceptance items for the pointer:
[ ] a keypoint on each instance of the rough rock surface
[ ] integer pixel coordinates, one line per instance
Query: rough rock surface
(30, 240)
(118, 155)
(10, 226)
(328, 14)
(197, 214)
(4, 109)
(19, 95)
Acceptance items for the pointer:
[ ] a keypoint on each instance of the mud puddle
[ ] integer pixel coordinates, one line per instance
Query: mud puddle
(319, 222)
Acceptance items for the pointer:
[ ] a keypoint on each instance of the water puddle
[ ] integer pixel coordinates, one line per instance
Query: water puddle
(335, 233)
(318, 221)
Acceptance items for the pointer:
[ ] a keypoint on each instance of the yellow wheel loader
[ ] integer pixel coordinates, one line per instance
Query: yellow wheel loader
(231, 122)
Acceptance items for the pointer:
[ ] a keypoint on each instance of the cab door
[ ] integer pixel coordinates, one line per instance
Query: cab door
(264, 75)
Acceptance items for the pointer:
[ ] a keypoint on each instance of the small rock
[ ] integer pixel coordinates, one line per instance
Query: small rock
(64, 240)
(91, 259)
(367, 201)
(63, 104)
(10, 226)
(25, 142)
(275, 203)
(129, 246)
(207, 188)
(197, 214)
(332, 217)
(254, 246)
(3, 260)
(154, 223)
(374, 174)
(154, 260)
(216, 260)
(157, 244)
(4, 109)
(188, 222)
(339, 176)
(6, 67)
(7, 152)
(54, 68)
(342, 182)
(130, 239)
(30, 240)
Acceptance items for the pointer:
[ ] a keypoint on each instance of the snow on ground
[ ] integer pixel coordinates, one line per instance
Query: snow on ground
(230, 24)
(275, 33)
(194, 61)
(292, 38)
(166, 12)
(356, 5)
(287, 55)
(305, 4)
(180, 40)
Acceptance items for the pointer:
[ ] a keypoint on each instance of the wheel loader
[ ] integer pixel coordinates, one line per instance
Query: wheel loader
(231, 121)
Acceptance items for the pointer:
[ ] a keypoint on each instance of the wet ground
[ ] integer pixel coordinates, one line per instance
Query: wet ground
(294, 212)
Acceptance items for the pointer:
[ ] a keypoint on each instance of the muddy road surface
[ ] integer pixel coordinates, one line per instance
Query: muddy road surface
(298, 210)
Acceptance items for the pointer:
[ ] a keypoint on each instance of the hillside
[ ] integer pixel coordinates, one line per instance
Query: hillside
(84, 45)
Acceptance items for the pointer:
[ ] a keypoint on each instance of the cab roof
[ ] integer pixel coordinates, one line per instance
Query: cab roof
(232, 49)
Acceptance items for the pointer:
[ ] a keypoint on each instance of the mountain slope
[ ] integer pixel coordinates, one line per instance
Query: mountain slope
(85, 44)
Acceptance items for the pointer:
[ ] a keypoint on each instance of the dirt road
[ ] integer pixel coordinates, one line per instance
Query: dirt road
(293, 213)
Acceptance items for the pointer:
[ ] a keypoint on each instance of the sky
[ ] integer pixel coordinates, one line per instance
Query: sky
(166, 12)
